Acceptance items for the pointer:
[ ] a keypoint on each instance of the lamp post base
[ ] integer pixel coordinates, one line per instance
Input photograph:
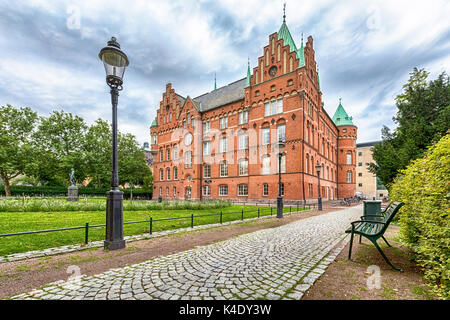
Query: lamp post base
(114, 221)
(279, 207)
(319, 205)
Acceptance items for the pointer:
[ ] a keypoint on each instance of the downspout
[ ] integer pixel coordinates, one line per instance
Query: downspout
(303, 148)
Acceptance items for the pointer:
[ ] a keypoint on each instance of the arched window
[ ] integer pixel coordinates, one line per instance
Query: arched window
(273, 45)
(168, 173)
(262, 74)
(349, 158)
(284, 61)
(279, 53)
(291, 64)
(256, 77)
(267, 58)
(349, 176)
(161, 174)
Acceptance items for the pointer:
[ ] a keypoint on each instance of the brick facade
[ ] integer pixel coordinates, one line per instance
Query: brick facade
(281, 98)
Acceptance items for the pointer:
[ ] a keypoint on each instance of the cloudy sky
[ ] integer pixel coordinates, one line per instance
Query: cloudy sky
(365, 51)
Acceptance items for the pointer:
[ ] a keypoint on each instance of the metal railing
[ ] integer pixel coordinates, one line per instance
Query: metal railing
(151, 221)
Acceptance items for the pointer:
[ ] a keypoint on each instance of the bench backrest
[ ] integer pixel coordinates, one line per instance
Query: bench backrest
(390, 213)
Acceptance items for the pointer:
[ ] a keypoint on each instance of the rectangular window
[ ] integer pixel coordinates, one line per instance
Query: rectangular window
(360, 174)
(206, 191)
(223, 144)
(168, 154)
(283, 163)
(243, 167)
(349, 158)
(161, 174)
(360, 153)
(265, 190)
(206, 148)
(175, 173)
(206, 170)
(188, 159)
(223, 190)
(273, 107)
(359, 184)
(243, 117)
(161, 155)
(174, 191)
(206, 127)
(281, 132)
(175, 152)
(359, 164)
(243, 141)
(168, 173)
(154, 139)
(265, 136)
(266, 165)
(224, 123)
(242, 190)
(223, 169)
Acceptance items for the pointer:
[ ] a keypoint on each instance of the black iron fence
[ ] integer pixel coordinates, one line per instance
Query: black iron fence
(263, 211)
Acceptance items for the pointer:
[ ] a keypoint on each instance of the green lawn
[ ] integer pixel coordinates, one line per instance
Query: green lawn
(12, 222)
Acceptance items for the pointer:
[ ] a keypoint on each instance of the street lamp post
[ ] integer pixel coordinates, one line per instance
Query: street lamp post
(280, 146)
(318, 169)
(115, 62)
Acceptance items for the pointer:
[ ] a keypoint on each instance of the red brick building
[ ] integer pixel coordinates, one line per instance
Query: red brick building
(223, 144)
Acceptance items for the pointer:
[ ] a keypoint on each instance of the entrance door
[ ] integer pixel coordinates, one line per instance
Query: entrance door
(188, 193)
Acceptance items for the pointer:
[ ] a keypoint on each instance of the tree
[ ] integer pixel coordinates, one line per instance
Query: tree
(132, 162)
(98, 153)
(16, 129)
(423, 117)
(59, 142)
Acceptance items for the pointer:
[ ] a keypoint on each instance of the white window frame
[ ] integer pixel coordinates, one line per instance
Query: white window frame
(265, 164)
(243, 167)
(265, 136)
(167, 173)
(175, 173)
(224, 169)
(281, 132)
(206, 148)
(188, 159)
(243, 190)
(206, 191)
(243, 141)
(265, 190)
(223, 190)
(223, 144)
(206, 170)
(224, 122)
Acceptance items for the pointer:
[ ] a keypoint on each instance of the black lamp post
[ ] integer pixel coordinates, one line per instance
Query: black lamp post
(280, 146)
(318, 169)
(115, 62)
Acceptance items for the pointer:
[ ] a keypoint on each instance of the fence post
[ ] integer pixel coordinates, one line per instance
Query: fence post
(242, 214)
(86, 233)
(258, 213)
(220, 217)
(290, 209)
(271, 211)
(297, 206)
(192, 220)
(151, 225)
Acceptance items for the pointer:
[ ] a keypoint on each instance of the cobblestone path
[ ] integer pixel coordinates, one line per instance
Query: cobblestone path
(274, 263)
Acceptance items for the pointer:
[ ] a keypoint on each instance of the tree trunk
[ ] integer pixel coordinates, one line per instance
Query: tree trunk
(5, 179)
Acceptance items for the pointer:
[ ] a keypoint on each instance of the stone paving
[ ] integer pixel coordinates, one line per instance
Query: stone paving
(274, 263)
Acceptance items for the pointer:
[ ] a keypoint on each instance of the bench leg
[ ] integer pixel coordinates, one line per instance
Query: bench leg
(350, 248)
(386, 241)
(360, 236)
(384, 256)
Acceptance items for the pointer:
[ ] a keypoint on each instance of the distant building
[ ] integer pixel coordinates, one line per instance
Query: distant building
(148, 154)
(368, 184)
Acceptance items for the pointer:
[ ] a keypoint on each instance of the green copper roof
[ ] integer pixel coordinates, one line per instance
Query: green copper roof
(284, 34)
(341, 117)
(247, 83)
(301, 55)
(154, 123)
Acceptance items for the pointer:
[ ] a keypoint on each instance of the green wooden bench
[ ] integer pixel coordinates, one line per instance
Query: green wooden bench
(373, 227)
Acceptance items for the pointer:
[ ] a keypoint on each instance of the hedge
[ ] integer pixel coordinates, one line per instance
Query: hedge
(62, 191)
(424, 187)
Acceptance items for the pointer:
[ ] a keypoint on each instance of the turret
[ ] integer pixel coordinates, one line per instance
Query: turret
(346, 173)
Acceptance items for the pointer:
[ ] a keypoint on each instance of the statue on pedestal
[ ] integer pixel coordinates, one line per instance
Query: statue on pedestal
(72, 193)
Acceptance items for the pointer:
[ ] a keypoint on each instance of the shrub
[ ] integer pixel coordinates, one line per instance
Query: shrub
(424, 187)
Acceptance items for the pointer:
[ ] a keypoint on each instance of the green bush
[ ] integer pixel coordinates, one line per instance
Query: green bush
(424, 187)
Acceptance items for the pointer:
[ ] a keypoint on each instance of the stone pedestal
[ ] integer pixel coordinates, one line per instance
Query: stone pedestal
(72, 193)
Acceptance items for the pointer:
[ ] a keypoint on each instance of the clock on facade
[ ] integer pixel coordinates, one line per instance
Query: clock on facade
(188, 139)
(273, 71)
